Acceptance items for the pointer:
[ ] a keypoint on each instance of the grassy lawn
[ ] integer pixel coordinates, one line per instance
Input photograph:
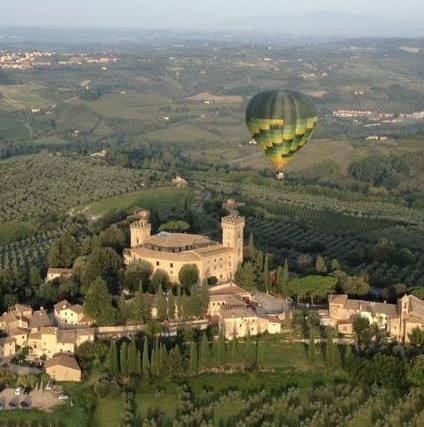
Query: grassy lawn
(108, 412)
(162, 199)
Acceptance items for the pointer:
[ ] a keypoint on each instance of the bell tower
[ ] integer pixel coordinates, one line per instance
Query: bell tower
(140, 229)
(232, 235)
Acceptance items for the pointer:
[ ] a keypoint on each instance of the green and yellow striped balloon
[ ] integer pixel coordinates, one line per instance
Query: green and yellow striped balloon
(281, 122)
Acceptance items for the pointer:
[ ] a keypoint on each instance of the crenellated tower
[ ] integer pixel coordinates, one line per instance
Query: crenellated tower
(140, 229)
(232, 235)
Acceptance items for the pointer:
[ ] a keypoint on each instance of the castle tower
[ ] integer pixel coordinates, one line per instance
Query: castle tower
(140, 229)
(232, 235)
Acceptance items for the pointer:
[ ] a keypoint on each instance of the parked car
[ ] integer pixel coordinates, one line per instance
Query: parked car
(50, 384)
(63, 396)
(13, 404)
(25, 404)
(1, 406)
(19, 391)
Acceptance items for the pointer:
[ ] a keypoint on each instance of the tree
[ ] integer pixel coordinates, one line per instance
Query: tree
(137, 275)
(160, 280)
(175, 226)
(329, 349)
(193, 358)
(64, 251)
(249, 352)
(260, 262)
(106, 263)
(320, 266)
(113, 237)
(35, 277)
(146, 363)
(113, 359)
(161, 306)
(188, 276)
(265, 273)
(416, 337)
(311, 347)
(416, 373)
(384, 251)
(98, 303)
(140, 308)
(304, 262)
(204, 353)
(132, 357)
(123, 359)
(261, 353)
(362, 329)
(249, 250)
(175, 362)
(335, 265)
(283, 278)
(221, 350)
(171, 307)
(246, 276)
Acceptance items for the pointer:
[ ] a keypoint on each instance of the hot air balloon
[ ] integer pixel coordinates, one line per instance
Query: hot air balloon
(281, 122)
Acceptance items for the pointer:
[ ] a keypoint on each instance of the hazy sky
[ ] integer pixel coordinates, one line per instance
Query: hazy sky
(184, 13)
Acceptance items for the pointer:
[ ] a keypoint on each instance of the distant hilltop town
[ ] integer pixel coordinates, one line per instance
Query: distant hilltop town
(10, 60)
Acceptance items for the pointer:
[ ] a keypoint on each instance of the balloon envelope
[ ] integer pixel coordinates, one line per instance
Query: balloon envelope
(281, 122)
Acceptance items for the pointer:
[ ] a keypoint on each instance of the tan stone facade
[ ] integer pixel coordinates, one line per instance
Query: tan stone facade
(398, 320)
(171, 251)
(241, 322)
(63, 368)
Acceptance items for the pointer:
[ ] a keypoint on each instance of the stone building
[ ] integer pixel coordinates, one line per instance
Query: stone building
(63, 367)
(398, 320)
(243, 321)
(171, 251)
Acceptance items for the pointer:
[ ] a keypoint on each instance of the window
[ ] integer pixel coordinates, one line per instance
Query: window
(171, 265)
(157, 262)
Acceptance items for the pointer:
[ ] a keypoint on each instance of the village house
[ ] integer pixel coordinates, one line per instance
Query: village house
(398, 320)
(68, 314)
(7, 347)
(243, 322)
(63, 367)
(179, 181)
(57, 273)
(169, 252)
(227, 295)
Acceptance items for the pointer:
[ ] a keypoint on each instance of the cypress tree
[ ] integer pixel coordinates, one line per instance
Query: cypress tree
(249, 353)
(214, 359)
(132, 357)
(311, 347)
(221, 350)
(250, 250)
(320, 266)
(113, 359)
(139, 362)
(260, 262)
(265, 274)
(285, 278)
(161, 305)
(279, 279)
(123, 359)
(234, 351)
(193, 358)
(205, 353)
(146, 362)
(162, 359)
(329, 350)
(171, 307)
(260, 353)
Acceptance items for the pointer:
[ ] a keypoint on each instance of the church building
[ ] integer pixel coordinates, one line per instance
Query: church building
(171, 251)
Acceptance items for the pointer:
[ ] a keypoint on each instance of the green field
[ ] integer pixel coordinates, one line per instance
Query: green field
(161, 199)
(22, 96)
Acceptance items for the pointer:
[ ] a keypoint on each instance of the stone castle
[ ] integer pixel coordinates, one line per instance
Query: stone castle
(171, 251)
